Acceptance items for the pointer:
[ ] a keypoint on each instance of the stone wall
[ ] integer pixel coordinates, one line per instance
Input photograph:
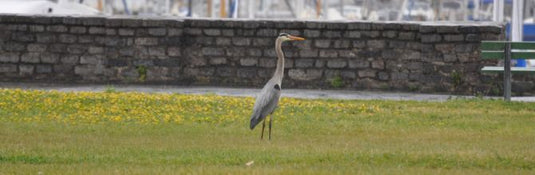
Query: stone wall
(422, 57)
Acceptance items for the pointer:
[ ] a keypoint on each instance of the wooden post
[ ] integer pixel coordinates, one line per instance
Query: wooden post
(507, 73)
(223, 9)
(209, 11)
(99, 5)
(318, 9)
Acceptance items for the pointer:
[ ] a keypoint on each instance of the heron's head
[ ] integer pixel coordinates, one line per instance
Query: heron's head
(288, 37)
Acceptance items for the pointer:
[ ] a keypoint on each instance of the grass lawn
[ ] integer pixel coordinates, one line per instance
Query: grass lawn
(138, 133)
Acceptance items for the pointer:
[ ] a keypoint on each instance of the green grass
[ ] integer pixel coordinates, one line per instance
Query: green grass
(309, 136)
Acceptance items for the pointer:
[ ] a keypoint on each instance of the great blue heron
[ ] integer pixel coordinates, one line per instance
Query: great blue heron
(268, 99)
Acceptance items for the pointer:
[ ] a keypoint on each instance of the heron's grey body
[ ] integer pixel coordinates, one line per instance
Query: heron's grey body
(266, 102)
(268, 99)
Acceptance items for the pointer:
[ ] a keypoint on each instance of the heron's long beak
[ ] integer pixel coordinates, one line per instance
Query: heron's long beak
(295, 38)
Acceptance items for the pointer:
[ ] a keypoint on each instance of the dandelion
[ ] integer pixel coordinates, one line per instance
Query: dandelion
(120, 107)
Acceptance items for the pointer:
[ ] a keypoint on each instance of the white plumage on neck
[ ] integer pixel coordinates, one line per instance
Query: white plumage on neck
(279, 71)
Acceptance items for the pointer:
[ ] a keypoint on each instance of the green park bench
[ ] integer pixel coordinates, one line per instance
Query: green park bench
(507, 50)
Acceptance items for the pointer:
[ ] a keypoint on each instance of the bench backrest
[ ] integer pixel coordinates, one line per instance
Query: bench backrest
(496, 49)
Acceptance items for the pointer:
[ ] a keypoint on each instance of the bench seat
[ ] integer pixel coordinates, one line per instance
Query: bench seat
(500, 69)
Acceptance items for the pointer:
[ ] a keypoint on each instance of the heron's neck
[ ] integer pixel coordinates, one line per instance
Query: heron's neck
(279, 71)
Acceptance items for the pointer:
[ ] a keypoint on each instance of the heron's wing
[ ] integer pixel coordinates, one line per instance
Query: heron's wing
(265, 103)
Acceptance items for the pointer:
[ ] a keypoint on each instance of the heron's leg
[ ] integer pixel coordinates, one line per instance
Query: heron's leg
(270, 120)
(263, 126)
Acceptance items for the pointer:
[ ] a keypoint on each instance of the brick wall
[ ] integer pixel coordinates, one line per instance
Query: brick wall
(422, 57)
